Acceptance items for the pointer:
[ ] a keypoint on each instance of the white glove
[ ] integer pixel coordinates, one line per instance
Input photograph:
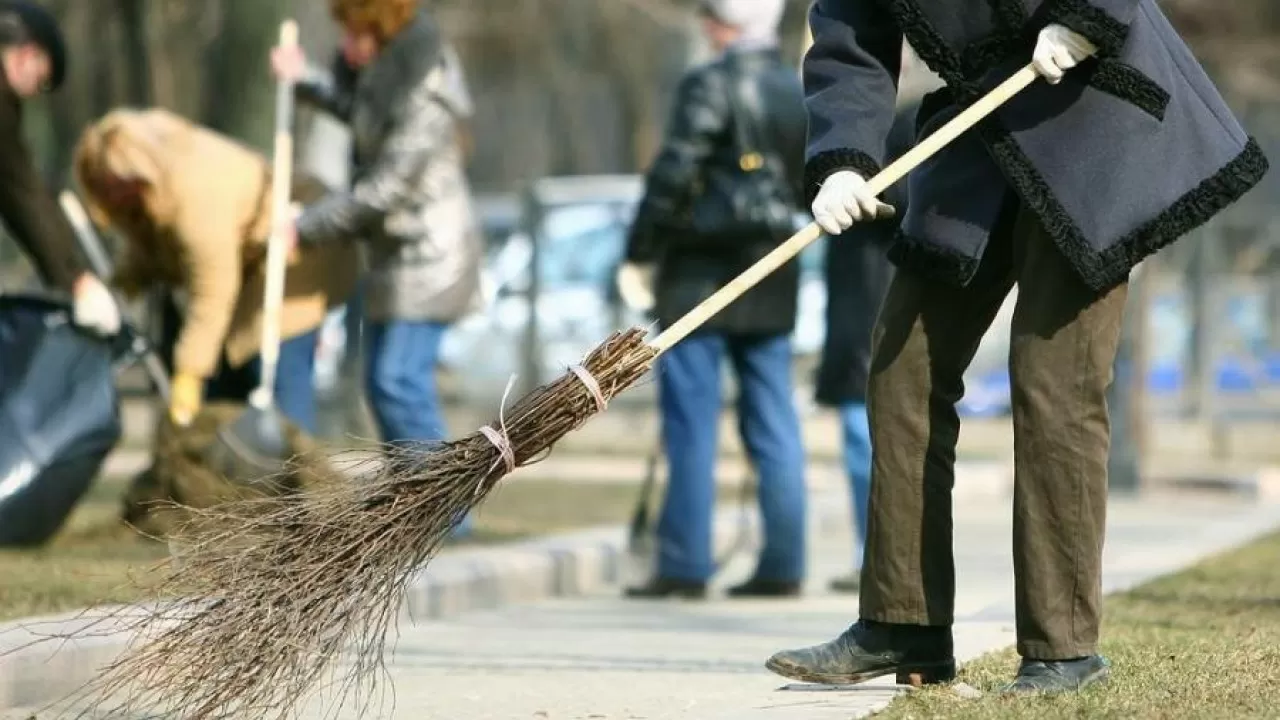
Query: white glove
(1058, 50)
(635, 285)
(844, 199)
(93, 308)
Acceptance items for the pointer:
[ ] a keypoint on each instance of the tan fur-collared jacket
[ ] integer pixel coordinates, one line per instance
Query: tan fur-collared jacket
(201, 226)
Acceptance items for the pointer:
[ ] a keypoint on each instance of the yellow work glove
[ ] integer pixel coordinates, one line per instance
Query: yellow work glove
(185, 395)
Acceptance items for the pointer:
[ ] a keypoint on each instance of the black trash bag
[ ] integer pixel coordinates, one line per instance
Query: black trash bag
(59, 416)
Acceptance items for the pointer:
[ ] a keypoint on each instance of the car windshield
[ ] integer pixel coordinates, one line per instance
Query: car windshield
(582, 244)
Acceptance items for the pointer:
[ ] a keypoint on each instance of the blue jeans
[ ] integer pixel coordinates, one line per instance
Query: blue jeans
(856, 431)
(689, 394)
(295, 392)
(400, 374)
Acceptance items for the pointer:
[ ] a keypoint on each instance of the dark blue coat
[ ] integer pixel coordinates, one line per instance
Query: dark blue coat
(858, 274)
(1133, 149)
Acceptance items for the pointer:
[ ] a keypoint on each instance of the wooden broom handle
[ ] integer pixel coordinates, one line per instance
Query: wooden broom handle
(281, 181)
(780, 255)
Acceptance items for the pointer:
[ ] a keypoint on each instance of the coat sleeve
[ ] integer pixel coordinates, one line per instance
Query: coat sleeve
(699, 116)
(1104, 22)
(211, 247)
(33, 217)
(330, 90)
(421, 129)
(851, 86)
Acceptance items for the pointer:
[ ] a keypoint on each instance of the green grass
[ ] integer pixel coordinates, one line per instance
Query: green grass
(1203, 643)
(96, 560)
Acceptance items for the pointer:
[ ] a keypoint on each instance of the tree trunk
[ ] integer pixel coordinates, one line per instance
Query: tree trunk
(135, 47)
(239, 93)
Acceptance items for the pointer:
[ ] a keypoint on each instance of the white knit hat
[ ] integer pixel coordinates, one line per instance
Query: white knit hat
(757, 19)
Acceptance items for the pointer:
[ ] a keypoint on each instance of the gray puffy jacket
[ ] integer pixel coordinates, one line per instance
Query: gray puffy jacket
(409, 200)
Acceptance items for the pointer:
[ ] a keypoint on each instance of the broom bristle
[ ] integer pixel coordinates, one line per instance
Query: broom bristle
(275, 590)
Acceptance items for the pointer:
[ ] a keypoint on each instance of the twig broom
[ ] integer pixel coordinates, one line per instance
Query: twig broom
(279, 589)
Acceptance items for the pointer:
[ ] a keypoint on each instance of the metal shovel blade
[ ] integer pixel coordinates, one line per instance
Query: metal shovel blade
(253, 448)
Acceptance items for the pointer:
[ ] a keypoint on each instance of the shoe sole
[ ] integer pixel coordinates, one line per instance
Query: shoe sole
(675, 595)
(915, 675)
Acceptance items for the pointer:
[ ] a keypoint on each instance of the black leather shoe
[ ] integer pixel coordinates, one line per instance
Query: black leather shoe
(916, 655)
(661, 588)
(1058, 676)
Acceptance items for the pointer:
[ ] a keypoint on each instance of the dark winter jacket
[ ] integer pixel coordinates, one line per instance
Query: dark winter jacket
(698, 152)
(858, 273)
(27, 207)
(1134, 148)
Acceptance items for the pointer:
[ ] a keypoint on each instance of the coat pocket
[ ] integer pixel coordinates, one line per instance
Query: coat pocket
(1131, 85)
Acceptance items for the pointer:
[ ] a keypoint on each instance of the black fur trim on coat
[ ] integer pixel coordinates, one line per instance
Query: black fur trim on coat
(1099, 269)
(928, 44)
(1105, 269)
(824, 164)
(1105, 31)
(932, 261)
(1009, 39)
(1129, 84)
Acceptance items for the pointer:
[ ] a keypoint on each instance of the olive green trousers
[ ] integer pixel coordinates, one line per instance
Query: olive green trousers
(1063, 344)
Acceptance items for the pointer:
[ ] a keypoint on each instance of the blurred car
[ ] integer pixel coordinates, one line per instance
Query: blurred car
(580, 224)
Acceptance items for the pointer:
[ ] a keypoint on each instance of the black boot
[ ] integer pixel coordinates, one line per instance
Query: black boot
(757, 588)
(661, 588)
(1058, 676)
(917, 655)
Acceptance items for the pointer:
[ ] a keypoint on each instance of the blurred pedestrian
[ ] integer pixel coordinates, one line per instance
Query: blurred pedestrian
(858, 273)
(34, 59)
(722, 193)
(408, 201)
(194, 209)
(1060, 192)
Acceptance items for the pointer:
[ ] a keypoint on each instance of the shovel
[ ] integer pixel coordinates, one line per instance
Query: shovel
(131, 343)
(256, 444)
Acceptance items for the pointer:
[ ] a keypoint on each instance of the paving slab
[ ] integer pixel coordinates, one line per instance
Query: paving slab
(601, 657)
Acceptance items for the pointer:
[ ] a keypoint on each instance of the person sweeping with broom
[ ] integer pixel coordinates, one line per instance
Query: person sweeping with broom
(298, 584)
(409, 203)
(1068, 186)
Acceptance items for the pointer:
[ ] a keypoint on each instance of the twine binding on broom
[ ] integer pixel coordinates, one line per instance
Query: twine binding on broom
(592, 386)
(498, 436)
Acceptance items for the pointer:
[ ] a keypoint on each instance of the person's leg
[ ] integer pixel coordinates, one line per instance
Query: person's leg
(689, 399)
(770, 429)
(924, 339)
(295, 387)
(1062, 350)
(400, 374)
(228, 384)
(856, 440)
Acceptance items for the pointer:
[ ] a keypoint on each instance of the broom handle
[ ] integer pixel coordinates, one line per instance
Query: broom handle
(281, 179)
(780, 255)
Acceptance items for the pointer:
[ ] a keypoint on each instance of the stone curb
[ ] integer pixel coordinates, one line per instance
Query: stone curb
(458, 581)
(1260, 486)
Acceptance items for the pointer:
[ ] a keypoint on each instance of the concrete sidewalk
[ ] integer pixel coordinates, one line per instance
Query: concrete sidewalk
(603, 658)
